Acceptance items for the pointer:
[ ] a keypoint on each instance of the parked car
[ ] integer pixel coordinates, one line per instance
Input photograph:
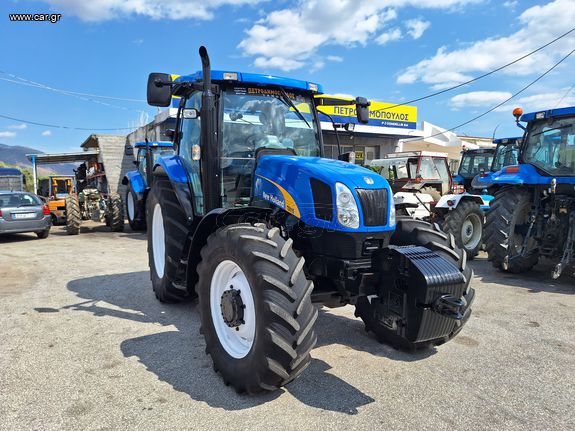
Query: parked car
(24, 212)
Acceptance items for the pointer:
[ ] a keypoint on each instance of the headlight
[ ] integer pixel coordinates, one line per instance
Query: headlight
(392, 215)
(347, 212)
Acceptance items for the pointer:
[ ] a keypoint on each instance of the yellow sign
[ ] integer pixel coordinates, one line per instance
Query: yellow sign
(380, 113)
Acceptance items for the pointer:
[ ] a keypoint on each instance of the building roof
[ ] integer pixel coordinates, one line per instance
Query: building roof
(10, 171)
(46, 159)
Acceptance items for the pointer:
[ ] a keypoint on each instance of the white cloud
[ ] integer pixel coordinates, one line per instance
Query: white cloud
(390, 36)
(104, 10)
(416, 27)
(539, 25)
(479, 98)
(546, 100)
(510, 4)
(46, 133)
(334, 58)
(21, 126)
(7, 134)
(288, 38)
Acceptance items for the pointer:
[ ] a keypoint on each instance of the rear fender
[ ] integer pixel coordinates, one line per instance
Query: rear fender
(450, 202)
(136, 181)
(173, 168)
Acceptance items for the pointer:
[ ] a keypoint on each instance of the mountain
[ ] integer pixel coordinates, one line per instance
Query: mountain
(15, 155)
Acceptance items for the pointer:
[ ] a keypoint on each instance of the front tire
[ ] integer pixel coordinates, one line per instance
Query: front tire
(73, 215)
(409, 231)
(465, 223)
(135, 210)
(167, 233)
(256, 311)
(116, 213)
(43, 234)
(509, 209)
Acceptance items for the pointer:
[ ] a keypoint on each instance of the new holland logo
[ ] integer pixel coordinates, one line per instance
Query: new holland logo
(368, 180)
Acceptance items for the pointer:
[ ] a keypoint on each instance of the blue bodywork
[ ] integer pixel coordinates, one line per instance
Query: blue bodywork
(284, 181)
(138, 182)
(539, 115)
(158, 144)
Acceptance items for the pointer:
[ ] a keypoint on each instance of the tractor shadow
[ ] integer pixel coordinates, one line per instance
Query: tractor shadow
(89, 227)
(535, 281)
(17, 237)
(177, 357)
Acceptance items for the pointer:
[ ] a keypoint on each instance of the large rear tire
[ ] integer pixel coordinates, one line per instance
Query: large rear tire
(256, 311)
(465, 223)
(167, 233)
(409, 231)
(73, 215)
(509, 209)
(116, 213)
(135, 210)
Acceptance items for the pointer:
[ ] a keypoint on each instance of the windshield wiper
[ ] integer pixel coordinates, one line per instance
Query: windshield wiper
(285, 98)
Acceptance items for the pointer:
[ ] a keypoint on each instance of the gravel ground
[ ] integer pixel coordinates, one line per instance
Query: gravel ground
(85, 345)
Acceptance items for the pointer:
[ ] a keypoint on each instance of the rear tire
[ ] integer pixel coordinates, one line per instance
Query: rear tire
(73, 215)
(167, 233)
(509, 208)
(270, 344)
(409, 231)
(465, 223)
(116, 213)
(135, 210)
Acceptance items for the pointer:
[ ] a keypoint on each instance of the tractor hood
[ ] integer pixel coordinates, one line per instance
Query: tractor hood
(305, 188)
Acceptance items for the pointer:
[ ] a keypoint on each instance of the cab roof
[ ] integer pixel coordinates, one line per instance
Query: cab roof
(254, 78)
(507, 140)
(162, 144)
(539, 115)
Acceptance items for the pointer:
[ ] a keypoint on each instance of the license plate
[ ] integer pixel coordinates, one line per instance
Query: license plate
(20, 216)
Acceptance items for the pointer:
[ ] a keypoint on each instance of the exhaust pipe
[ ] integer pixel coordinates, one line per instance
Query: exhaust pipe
(206, 70)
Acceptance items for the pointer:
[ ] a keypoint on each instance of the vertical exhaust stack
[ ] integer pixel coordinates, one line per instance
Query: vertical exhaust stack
(210, 159)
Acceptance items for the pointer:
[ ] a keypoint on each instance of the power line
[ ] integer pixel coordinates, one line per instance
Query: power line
(59, 126)
(564, 96)
(498, 105)
(478, 77)
(23, 81)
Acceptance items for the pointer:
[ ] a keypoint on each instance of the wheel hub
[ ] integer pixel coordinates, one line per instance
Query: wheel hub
(232, 308)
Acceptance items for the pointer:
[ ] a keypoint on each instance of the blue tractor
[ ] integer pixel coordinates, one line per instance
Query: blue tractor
(249, 217)
(138, 182)
(533, 213)
(506, 153)
(473, 162)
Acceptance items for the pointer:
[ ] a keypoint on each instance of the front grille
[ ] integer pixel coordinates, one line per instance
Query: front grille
(322, 199)
(374, 206)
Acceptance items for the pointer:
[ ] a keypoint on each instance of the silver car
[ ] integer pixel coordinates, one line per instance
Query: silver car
(24, 212)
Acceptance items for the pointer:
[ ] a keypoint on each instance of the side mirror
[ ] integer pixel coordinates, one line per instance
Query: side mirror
(347, 157)
(136, 162)
(128, 150)
(160, 89)
(362, 109)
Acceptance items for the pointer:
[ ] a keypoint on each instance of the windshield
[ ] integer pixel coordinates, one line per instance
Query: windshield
(473, 163)
(61, 187)
(267, 118)
(505, 155)
(396, 168)
(164, 152)
(550, 146)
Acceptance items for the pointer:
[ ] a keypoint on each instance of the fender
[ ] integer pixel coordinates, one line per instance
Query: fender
(136, 181)
(458, 179)
(211, 222)
(173, 168)
(450, 202)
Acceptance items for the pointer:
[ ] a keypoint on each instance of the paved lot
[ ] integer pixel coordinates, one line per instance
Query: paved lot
(85, 345)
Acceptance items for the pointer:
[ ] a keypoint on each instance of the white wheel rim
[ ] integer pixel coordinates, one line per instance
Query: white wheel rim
(471, 232)
(131, 206)
(236, 341)
(158, 241)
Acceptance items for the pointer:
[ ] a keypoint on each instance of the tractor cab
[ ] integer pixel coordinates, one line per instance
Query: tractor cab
(506, 153)
(55, 190)
(147, 154)
(423, 171)
(473, 163)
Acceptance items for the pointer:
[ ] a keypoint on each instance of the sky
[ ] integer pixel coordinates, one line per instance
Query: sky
(386, 50)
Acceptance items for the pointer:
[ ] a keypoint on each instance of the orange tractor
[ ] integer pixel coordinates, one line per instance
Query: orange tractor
(54, 190)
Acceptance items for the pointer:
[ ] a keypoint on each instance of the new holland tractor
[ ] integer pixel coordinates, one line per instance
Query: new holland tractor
(473, 162)
(533, 213)
(138, 182)
(506, 153)
(249, 217)
(424, 189)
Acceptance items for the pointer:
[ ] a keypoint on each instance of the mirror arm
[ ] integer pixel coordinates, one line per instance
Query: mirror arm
(334, 129)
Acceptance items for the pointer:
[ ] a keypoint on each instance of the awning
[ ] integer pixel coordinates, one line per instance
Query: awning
(46, 159)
